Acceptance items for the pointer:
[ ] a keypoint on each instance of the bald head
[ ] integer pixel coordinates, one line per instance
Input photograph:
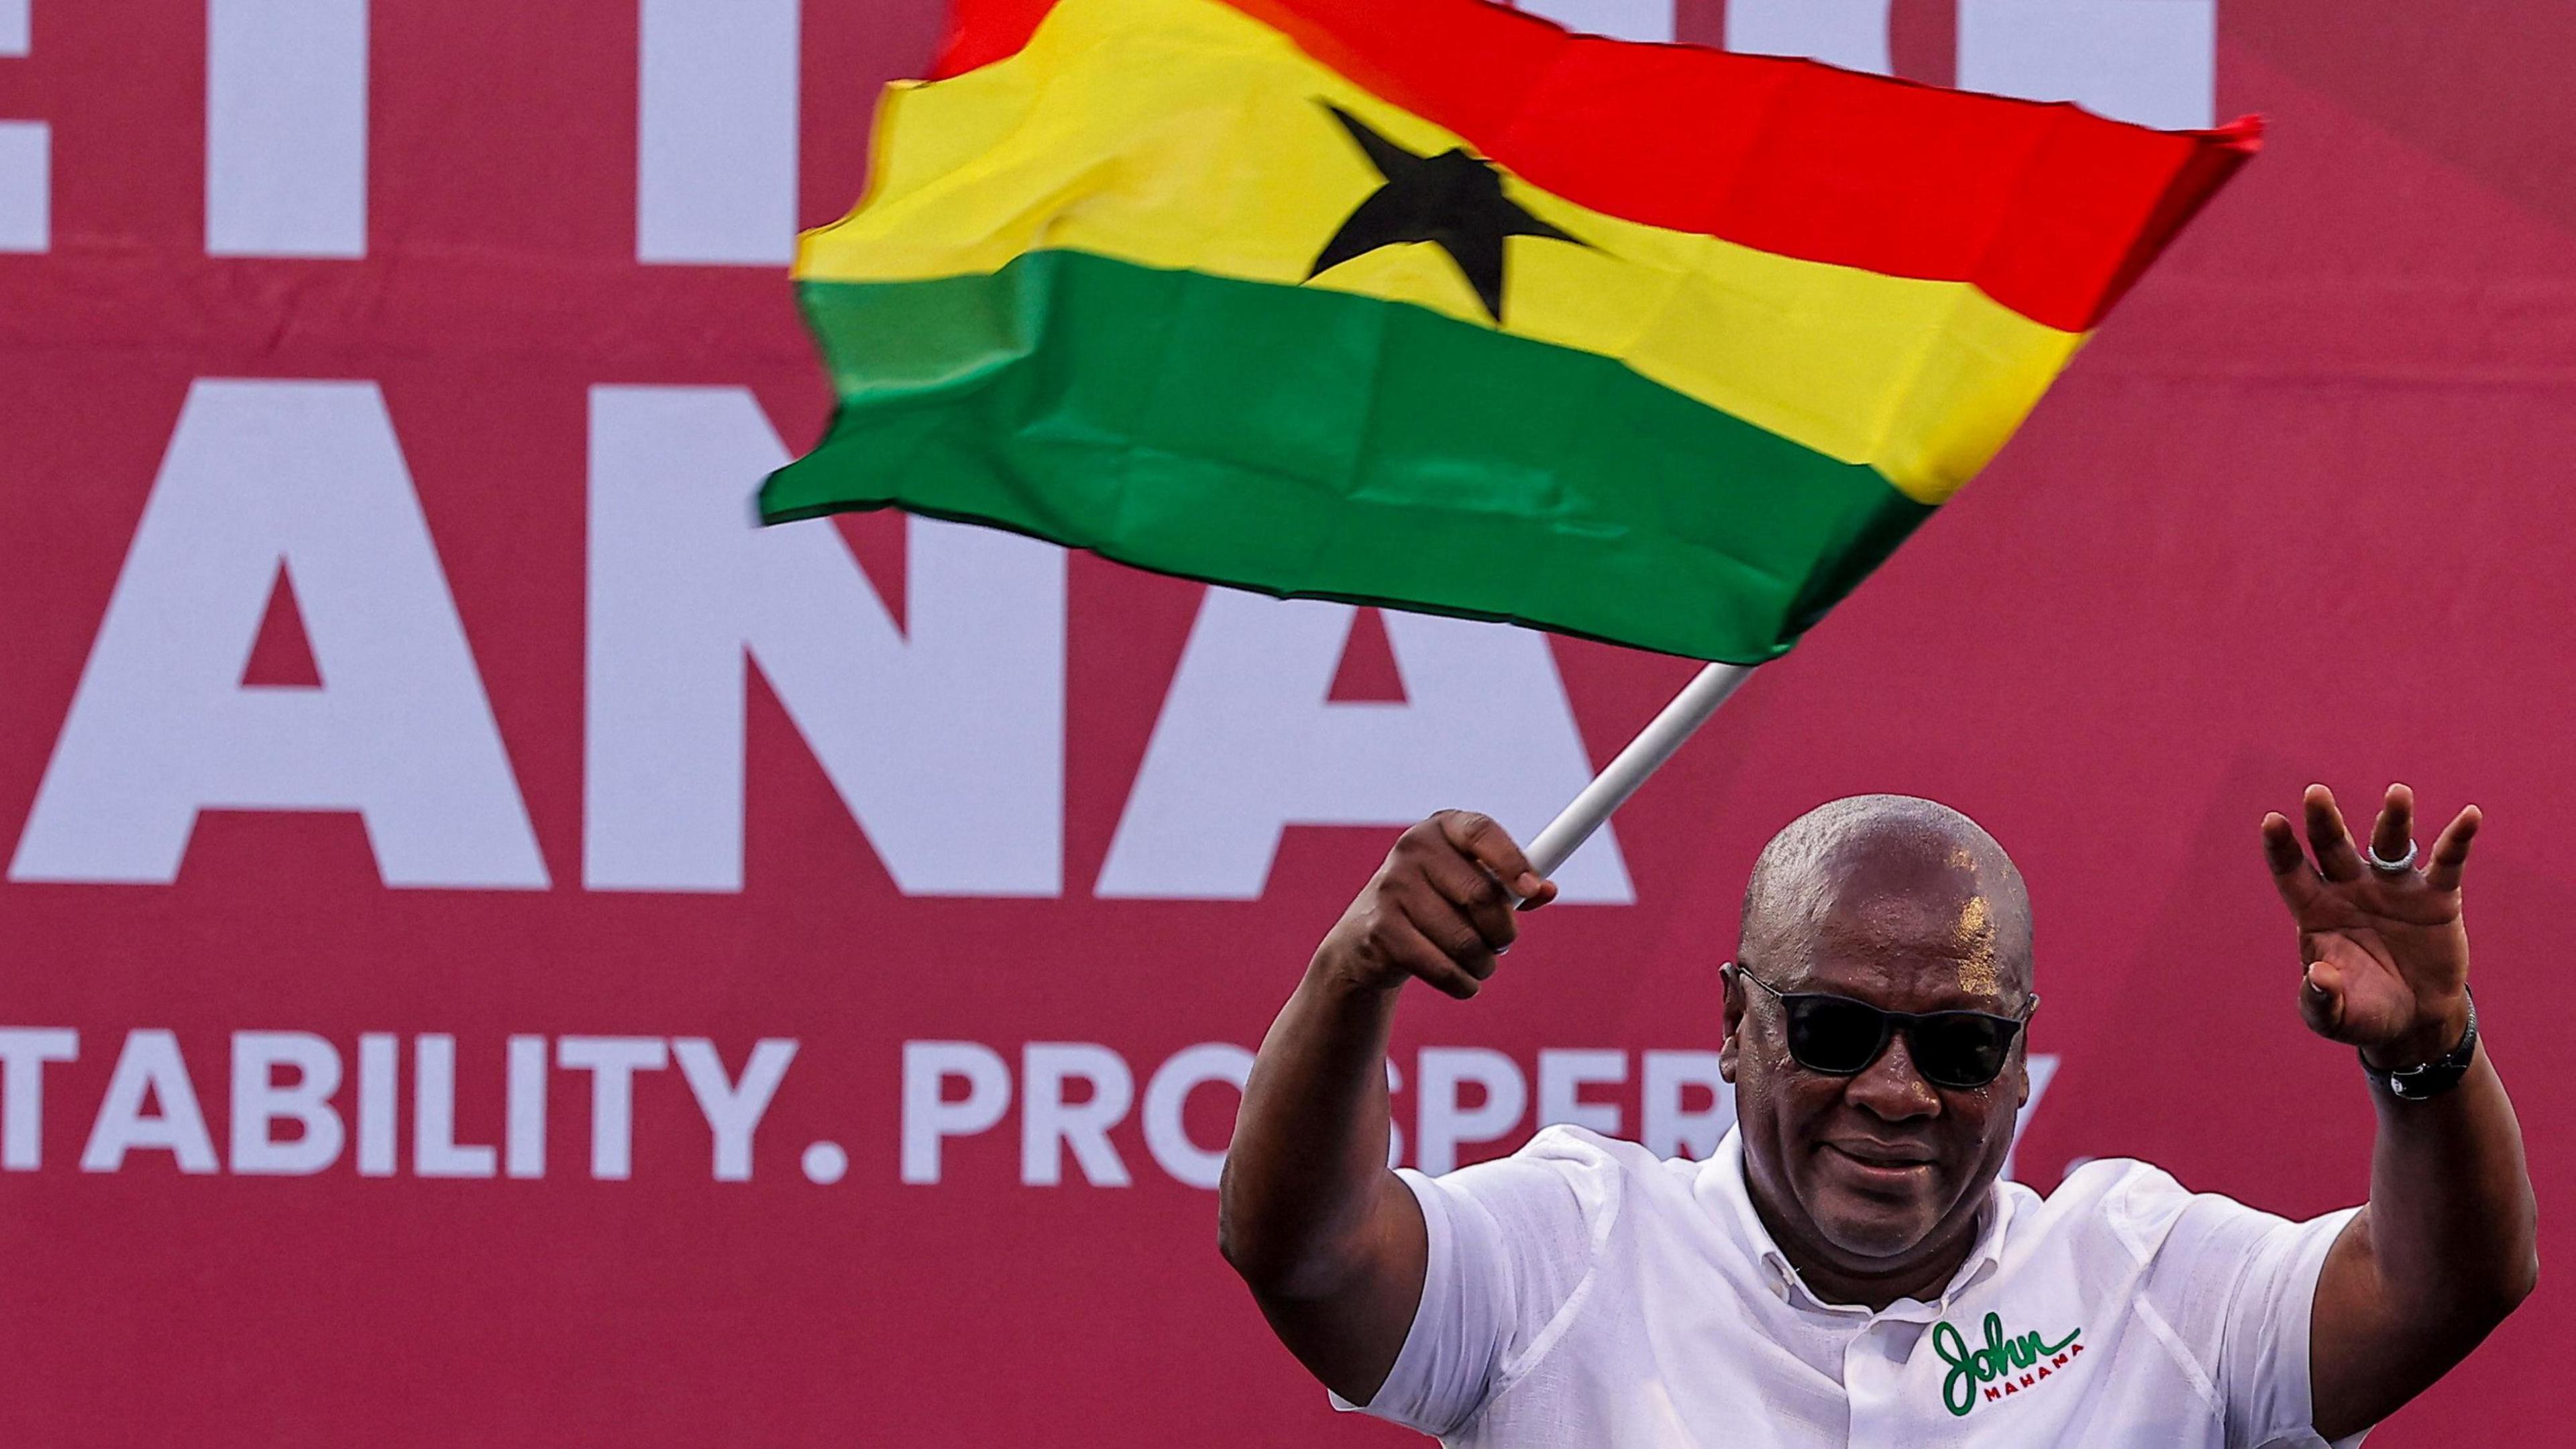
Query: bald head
(1892, 867)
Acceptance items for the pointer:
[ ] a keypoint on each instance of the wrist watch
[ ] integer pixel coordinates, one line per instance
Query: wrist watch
(2433, 1078)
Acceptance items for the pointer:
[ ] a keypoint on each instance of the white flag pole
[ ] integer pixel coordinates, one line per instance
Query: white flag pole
(1645, 754)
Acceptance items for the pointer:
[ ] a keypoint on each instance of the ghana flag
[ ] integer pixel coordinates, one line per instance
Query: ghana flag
(1429, 303)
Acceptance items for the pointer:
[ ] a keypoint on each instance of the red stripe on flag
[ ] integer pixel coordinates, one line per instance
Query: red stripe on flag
(2051, 210)
(981, 32)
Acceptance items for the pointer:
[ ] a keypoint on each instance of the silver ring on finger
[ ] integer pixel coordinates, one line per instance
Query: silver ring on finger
(2399, 866)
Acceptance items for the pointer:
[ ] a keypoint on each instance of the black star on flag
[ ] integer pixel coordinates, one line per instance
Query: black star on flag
(1453, 200)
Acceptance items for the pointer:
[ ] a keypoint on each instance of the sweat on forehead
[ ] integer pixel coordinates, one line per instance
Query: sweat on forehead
(1929, 871)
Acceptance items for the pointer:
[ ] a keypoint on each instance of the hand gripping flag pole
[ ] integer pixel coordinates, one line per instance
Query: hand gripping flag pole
(1644, 755)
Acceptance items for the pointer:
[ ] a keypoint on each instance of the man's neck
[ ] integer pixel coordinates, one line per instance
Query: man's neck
(1920, 1275)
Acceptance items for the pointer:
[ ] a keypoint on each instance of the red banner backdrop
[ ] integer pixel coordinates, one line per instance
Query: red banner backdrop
(450, 998)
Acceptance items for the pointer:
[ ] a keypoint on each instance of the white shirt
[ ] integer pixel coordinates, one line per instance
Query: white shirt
(1583, 1293)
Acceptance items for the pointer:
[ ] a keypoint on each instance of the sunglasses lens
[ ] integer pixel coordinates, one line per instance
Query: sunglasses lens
(1960, 1050)
(1829, 1034)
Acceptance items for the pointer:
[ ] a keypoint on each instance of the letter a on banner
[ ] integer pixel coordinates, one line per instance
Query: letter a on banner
(149, 1104)
(1251, 742)
(306, 476)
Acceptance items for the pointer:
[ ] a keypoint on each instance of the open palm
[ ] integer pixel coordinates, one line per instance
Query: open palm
(2386, 957)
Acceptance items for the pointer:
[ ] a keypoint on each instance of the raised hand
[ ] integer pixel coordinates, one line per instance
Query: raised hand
(2386, 957)
(1440, 908)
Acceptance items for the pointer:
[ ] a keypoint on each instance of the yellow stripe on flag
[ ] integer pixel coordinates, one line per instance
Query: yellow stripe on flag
(1183, 134)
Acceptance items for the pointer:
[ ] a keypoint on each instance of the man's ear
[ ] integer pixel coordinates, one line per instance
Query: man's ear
(1733, 1018)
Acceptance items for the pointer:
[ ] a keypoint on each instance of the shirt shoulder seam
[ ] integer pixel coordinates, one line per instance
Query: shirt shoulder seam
(1563, 1319)
(2165, 1335)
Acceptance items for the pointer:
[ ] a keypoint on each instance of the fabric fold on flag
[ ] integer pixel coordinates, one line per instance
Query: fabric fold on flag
(1439, 307)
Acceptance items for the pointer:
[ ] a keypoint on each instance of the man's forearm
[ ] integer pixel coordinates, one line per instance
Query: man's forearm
(1308, 1164)
(1332, 1243)
(2442, 1253)
(2452, 1222)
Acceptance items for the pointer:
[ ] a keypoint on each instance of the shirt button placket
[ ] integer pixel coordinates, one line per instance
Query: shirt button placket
(1870, 1378)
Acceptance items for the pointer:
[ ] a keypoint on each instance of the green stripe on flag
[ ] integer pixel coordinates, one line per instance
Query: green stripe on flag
(1311, 442)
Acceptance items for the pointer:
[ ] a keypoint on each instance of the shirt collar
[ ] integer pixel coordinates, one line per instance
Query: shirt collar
(1721, 1184)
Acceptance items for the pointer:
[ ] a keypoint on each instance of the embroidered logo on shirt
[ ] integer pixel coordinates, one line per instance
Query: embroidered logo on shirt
(2004, 1366)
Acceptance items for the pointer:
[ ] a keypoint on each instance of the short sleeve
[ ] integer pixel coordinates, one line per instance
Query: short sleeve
(2237, 1287)
(1510, 1242)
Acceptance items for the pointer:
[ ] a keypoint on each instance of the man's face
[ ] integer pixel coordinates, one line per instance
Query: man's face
(1876, 1171)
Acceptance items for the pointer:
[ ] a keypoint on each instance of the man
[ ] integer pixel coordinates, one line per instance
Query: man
(1846, 1269)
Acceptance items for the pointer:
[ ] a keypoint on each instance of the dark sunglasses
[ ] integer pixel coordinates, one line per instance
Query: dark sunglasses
(1841, 1037)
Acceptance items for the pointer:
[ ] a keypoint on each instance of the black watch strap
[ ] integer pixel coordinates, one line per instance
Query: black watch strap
(2418, 1084)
